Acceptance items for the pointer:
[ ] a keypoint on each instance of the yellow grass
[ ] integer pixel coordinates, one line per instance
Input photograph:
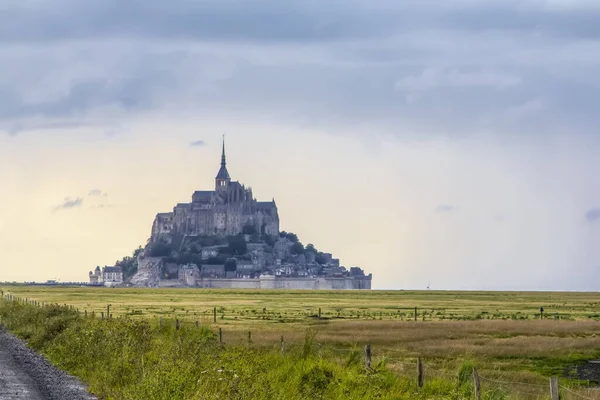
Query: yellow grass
(501, 332)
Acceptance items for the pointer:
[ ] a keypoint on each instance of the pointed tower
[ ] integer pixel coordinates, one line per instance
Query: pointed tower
(222, 180)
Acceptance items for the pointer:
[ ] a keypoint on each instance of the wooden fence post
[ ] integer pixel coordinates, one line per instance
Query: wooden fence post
(368, 356)
(554, 388)
(102, 314)
(319, 312)
(215, 315)
(419, 373)
(415, 313)
(85, 313)
(197, 325)
(476, 384)
(282, 345)
(176, 324)
(108, 309)
(249, 337)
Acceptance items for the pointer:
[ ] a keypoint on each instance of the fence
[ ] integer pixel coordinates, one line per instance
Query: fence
(481, 383)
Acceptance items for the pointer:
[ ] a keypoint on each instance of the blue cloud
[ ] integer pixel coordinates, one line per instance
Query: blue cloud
(198, 143)
(446, 208)
(593, 215)
(69, 203)
(456, 67)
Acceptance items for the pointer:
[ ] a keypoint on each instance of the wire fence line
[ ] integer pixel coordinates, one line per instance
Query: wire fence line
(580, 396)
(519, 389)
(505, 386)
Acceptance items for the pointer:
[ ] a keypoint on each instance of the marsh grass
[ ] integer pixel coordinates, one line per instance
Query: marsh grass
(131, 359)
(497, 332)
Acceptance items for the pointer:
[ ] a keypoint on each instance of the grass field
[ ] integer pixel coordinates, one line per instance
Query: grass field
(500, 332)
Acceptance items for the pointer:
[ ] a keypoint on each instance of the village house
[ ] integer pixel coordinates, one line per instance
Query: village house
(210, 252)
(96, 276)
(188, 274)
(213, 271)
(112, 275)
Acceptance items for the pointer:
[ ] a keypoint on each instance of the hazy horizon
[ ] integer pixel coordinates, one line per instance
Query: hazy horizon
(445, 143)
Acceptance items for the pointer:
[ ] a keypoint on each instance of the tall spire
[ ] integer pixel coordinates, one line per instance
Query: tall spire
(223, 162)
(223, 178)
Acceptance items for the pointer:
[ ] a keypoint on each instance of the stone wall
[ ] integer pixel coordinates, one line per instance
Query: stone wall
(270, 282)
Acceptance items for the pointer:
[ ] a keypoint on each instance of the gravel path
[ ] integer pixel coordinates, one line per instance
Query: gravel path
(26, 375)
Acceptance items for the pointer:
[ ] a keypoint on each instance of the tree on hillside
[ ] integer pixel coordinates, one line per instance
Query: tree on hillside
(249, 229)
(297, 248)
(311, 247)
(320, 258)
(237, 245)
(160, 249)
(231, 264)
(129, 264)
(219, 260)
(268, 239)
(292, 237)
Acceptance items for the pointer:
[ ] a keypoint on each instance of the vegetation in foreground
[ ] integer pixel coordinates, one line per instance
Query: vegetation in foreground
(505, 350)
(125, 359)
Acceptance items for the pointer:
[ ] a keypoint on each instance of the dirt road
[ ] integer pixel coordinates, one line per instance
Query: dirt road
(25, 375)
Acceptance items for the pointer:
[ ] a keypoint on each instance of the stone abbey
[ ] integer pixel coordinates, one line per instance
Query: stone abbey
(223, 211)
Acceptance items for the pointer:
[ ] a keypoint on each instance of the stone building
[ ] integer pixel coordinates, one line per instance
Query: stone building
(188, 274)
(226, 210)
(112, 275)
(96, 276)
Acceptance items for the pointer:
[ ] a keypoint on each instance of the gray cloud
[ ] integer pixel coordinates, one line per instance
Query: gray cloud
(455, 68)
(69, 203)
(198, 143)
(95, 192)
(102, 206)
(431, 78)
(593, 215)
(290, 21)
(446, 208)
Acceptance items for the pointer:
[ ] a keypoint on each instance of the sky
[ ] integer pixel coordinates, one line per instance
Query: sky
(449, 143)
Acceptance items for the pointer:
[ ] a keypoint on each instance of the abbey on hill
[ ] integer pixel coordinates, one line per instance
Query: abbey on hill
(225, 238)
(227, 210)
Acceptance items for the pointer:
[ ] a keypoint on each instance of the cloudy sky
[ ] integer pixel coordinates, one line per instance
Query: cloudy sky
(450, 142)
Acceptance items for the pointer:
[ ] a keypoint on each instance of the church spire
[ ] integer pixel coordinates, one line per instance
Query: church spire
(223, 162)
(222, 180)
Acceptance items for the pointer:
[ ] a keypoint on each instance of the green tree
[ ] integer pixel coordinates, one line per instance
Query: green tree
(249, 229)
(320, 258)
(160, 249)
(292, 237)
(297, 248)
(311, 247)
(231, 264)
(237, 245)
(129, 264)
(268, 239)
(219, 260)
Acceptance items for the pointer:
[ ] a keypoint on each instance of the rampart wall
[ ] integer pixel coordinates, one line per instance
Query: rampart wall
(270, 282)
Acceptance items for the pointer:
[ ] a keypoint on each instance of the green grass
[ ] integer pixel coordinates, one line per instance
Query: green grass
(268, 305)
(499, 332)
(126, 359)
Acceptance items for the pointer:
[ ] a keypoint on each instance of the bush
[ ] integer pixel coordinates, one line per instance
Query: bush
(297, 248)
(249, 230)
(121, 358)
(160, 249)
(237, 245)
(231, 264)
